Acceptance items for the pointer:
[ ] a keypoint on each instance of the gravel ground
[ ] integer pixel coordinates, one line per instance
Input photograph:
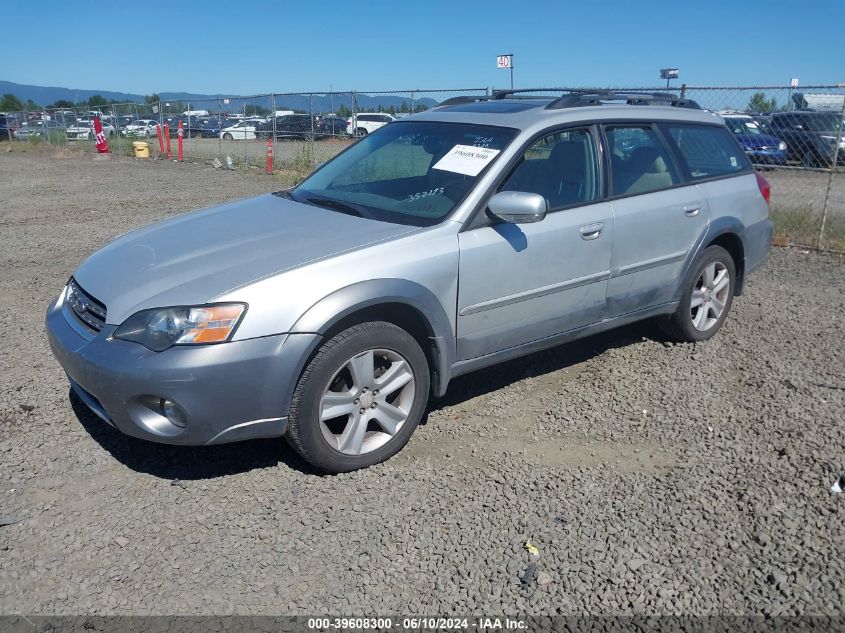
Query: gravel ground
(652, 478)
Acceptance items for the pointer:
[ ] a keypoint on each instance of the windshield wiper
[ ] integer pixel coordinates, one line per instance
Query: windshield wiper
(336, 205)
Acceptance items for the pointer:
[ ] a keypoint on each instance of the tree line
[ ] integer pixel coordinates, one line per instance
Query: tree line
(11, 103)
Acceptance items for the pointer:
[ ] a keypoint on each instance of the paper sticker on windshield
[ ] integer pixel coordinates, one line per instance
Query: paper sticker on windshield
(466, 159)
(733, 161)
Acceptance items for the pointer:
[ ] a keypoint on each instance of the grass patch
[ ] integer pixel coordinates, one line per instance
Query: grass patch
(801, 226)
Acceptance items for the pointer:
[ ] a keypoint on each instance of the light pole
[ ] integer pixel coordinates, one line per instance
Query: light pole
(668, 73)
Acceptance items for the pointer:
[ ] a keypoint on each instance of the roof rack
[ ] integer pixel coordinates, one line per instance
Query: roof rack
(573, 99)
(462, 99)
(576, 99)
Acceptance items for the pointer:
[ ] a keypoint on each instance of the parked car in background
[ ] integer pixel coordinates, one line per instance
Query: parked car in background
(141, 128)
(7, 130)
(302, 126)
(242, 130)
(190, 129)
(761, 148)
(83, 130)
(66, 117)
(456, 239)
(813, 138)
(334, 125)
(40, 129)
(210, 127)
(363, 123)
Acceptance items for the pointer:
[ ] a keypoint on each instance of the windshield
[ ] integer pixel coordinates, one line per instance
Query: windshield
(412, 172)
(743, 126)
(822, 122)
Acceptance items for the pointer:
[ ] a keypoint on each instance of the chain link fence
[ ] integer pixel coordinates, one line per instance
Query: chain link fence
(792, 135)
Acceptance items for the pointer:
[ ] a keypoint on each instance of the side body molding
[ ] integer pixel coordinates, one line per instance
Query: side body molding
(333, 308)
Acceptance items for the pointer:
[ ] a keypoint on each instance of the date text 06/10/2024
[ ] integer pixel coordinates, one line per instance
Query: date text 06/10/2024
(417, 624)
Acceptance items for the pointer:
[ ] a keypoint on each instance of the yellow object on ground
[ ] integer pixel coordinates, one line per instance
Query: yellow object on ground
(142, 149)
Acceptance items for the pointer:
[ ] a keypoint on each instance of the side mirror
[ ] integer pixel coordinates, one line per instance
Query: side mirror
(518, 207)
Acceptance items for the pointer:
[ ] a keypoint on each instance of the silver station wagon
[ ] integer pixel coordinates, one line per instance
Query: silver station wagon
(478, 231)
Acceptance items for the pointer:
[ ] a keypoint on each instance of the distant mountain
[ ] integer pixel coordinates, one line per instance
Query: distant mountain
(44, 95)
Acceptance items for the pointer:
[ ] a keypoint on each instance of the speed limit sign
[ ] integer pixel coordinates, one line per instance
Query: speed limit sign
(504, 61)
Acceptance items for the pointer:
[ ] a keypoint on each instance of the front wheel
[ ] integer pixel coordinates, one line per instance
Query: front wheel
(707, 297)
(227, 137)
(359, 399)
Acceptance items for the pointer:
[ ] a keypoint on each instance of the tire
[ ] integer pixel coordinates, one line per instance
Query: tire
(227, 137)
(692, 323)
(330, 444)
(361, 132)
(808, 160)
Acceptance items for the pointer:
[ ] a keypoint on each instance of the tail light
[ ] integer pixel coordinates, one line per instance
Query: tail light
(765, 187)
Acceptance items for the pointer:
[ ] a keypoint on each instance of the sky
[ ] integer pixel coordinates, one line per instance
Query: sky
(257, 46)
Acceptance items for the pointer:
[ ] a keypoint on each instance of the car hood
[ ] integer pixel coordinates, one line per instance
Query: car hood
(756, 141)
(195, 257)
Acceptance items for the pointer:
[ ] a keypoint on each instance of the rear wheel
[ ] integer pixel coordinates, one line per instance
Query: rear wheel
(707, 298)
(360, 398)
(227, 137)
(361, 131)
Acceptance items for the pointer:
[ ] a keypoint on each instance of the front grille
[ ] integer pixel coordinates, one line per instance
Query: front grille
(86, 308)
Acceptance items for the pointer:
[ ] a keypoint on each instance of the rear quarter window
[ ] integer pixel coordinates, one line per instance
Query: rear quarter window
(708, 151)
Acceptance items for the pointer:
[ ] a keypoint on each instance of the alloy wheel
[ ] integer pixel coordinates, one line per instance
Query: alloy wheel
(367, 401)
(710, 296)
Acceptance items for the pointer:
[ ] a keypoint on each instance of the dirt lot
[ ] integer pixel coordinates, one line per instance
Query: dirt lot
(653, 478)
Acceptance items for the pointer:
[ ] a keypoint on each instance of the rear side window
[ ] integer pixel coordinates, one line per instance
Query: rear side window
(639, 161)
(708, 151)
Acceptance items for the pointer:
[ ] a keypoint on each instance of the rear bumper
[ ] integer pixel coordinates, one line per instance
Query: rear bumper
(228, 392)
(757, 241)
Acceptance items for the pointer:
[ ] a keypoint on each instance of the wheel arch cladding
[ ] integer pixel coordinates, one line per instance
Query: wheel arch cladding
(732, 243)
(725, 232)
(406, 304)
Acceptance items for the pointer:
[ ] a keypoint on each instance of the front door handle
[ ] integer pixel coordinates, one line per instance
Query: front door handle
(591, 231)
(692, 210)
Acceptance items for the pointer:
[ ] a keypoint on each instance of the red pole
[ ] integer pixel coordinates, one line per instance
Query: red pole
(167, 138)
(269, 155)
(160, 139)
(179, 133)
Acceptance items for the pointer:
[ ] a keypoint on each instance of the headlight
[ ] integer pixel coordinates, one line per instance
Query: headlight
(160, 328)
(781, 146)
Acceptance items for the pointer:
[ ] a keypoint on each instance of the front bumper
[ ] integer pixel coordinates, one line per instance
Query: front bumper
(767, 156)
(228, 392)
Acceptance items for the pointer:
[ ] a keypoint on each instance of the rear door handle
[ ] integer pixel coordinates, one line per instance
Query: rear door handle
(691, 210)
(591, 231)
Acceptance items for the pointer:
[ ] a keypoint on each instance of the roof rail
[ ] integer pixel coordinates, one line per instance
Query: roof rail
(462, 99)
(576, 99)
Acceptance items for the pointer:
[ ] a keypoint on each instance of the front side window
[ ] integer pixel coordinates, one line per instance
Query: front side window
(639, 161)
(562, 167)
(707, 150)
(413, 172)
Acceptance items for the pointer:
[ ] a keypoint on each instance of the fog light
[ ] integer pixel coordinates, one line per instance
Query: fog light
(173, 413)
